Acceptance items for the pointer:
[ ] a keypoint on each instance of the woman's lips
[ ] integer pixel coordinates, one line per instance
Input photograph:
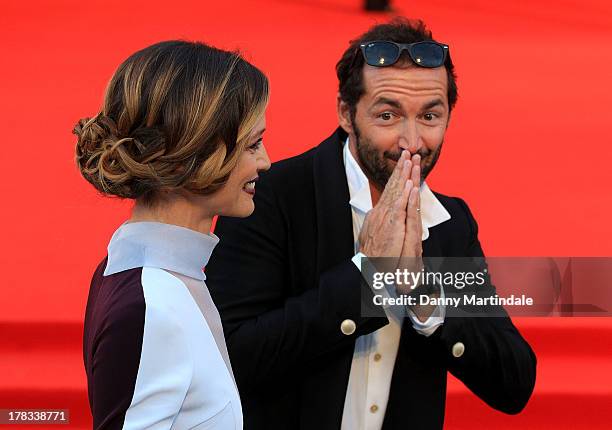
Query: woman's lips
(249, 187)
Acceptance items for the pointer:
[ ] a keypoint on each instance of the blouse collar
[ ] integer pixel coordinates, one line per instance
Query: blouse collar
(159, 245)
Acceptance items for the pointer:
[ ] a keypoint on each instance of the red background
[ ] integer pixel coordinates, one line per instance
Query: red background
(528, 148)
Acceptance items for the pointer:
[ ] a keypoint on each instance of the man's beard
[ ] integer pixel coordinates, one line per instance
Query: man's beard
(376, 166)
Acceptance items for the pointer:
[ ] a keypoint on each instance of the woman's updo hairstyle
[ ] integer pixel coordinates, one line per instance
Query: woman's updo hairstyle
(176, 115)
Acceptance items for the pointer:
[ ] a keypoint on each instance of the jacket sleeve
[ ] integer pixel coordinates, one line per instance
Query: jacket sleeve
(495, 363)
(269, 330)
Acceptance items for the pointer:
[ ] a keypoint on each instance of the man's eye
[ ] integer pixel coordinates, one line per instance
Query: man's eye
(429, 116)
(386, 116)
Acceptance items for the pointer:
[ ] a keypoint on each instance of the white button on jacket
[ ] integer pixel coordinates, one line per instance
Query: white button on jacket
(458, 349)
(348, 327)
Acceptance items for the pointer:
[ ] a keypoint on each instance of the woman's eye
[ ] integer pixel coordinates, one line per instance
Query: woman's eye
(254, 147)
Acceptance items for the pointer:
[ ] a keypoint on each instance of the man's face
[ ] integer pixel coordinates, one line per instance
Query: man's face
(404, 107)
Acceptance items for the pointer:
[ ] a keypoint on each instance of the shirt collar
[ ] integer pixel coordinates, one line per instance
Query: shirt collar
(164, 246)
(432, 211)
(359, 186)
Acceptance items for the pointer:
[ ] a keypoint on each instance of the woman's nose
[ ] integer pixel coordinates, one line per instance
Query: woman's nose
(263, 162)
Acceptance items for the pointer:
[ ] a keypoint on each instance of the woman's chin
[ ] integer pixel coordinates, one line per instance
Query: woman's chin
(243, 209)
(247, 211)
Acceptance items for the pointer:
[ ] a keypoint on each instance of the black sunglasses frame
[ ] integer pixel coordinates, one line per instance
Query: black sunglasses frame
(401, 47)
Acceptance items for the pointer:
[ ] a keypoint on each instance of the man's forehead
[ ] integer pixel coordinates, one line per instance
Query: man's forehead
(404, 78)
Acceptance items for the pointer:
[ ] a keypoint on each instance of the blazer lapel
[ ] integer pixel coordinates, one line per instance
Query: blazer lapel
(334, 221)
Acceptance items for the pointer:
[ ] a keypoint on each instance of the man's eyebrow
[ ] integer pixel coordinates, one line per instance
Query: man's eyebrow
(386, 101)
(432, 104)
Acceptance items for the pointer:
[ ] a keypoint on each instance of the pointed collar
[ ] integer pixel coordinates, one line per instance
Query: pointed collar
(432, 211)
(164, 246)
(359, 187)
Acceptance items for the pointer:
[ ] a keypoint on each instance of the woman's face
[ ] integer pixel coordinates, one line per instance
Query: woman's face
(235, 198)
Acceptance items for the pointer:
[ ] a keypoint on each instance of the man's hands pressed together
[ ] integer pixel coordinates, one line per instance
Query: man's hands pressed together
(393, 228)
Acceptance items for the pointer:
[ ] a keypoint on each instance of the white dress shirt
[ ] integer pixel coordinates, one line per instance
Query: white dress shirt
(367, 393)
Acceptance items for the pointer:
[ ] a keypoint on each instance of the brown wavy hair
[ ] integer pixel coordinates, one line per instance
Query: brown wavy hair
(176, 115)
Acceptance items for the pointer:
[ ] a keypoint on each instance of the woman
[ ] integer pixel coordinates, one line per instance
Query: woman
(180, 133)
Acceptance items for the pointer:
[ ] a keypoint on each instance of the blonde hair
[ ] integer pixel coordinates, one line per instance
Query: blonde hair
(176, 115)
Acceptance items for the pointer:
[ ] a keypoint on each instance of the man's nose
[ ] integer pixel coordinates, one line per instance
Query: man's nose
(410, 138)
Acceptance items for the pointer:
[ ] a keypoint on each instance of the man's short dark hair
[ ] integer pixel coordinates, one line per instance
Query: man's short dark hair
(400, 30)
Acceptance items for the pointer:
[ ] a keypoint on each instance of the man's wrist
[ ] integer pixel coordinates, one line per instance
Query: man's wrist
(424, 289)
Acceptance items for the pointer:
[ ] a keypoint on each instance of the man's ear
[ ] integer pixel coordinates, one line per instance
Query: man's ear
(344, 115)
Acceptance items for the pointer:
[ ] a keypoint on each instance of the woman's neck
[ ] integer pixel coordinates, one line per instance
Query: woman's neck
(177, 211)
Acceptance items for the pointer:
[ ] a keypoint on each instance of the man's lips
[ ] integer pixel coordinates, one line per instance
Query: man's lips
(395, 160)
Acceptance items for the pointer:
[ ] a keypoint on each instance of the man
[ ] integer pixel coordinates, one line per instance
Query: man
(286, 279)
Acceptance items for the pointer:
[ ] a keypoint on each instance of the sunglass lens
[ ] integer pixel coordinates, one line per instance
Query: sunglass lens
(427, 54)
(381, 54)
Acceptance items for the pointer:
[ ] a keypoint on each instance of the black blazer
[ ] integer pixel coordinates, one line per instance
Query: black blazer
(283, 281)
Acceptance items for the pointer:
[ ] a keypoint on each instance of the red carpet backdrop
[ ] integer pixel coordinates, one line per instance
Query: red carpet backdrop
(528, 148)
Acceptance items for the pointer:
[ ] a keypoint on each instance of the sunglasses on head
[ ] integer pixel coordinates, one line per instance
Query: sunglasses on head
(383, 53)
